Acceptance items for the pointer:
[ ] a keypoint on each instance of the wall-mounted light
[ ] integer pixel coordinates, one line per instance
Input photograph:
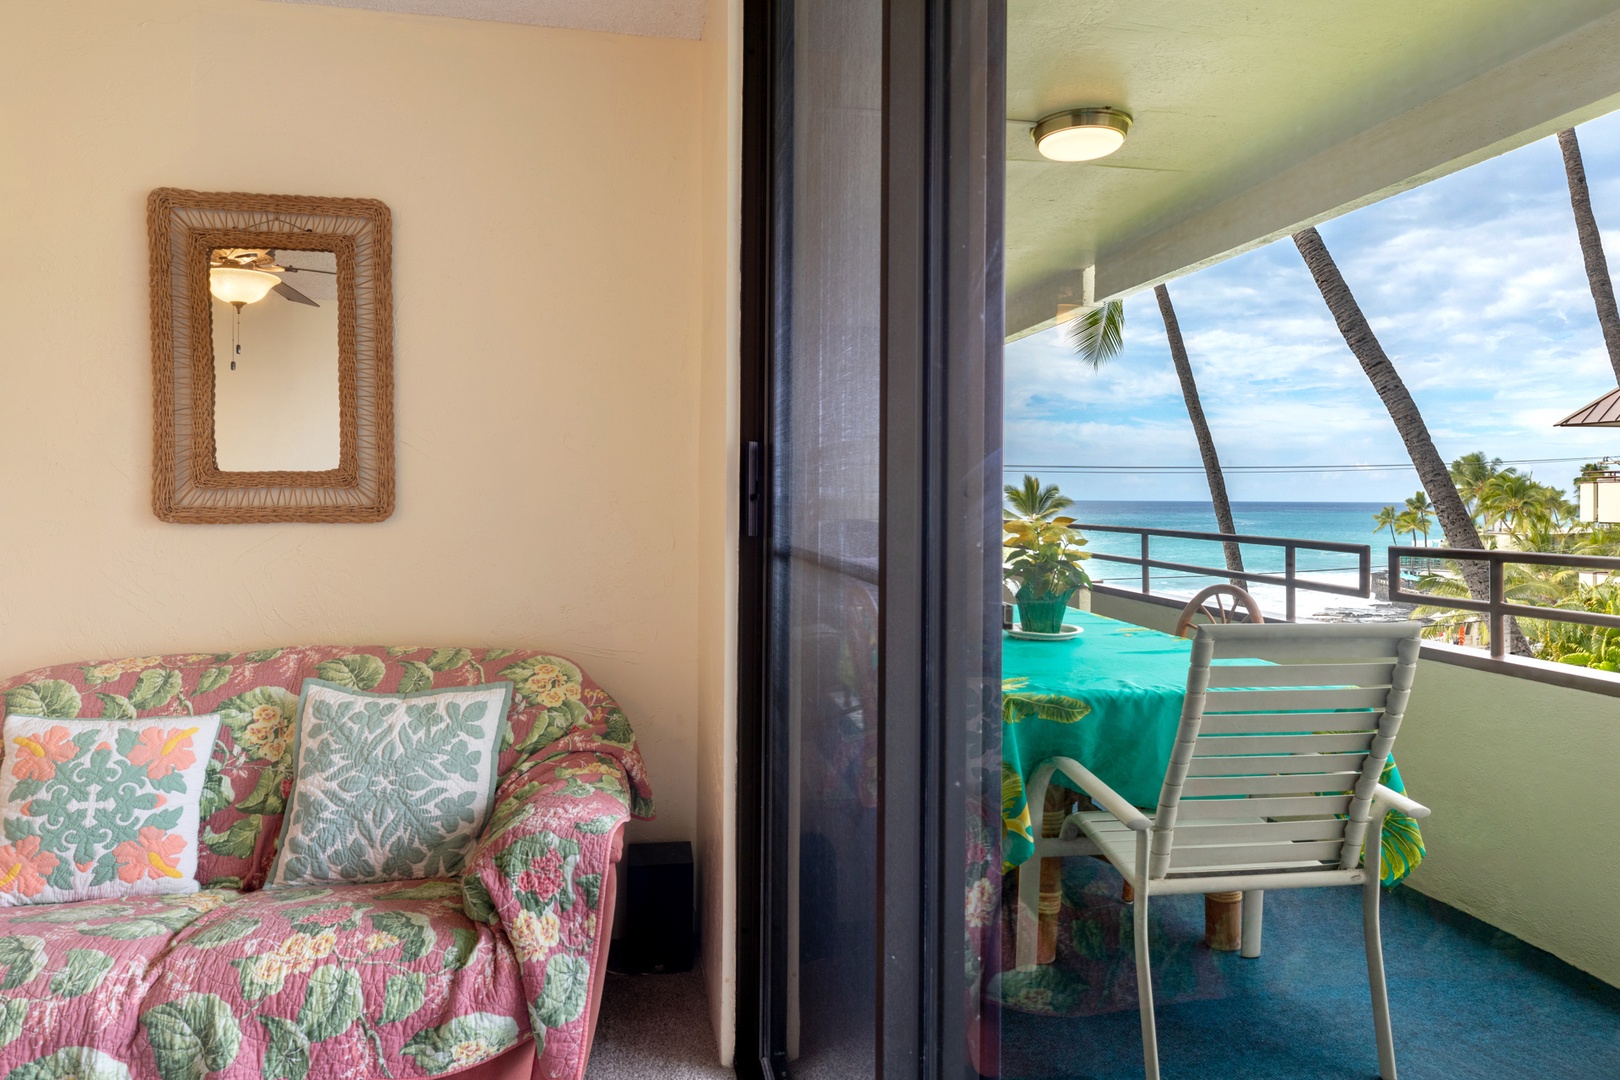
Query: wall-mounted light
(1082, 134)
(239, 286)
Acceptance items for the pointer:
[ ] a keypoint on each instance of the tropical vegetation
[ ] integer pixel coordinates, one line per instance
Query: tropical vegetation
(1517, 512)
(1042, 552)
(1030, 501)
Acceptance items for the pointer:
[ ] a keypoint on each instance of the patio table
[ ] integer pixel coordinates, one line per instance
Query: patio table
(1132, 682)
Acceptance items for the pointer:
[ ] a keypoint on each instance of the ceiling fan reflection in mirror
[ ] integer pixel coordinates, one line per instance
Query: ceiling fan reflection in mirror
(241, 276)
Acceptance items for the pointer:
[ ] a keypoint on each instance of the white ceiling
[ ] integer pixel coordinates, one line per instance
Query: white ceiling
(647, 18)
(318, 287)
(1256, 117)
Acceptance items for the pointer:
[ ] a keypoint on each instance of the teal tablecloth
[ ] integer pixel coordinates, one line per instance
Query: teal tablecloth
(1111, 700)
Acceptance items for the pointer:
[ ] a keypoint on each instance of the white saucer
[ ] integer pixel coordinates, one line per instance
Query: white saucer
(1065, 634)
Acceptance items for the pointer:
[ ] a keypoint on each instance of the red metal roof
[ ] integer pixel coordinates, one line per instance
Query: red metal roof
(1604, 412)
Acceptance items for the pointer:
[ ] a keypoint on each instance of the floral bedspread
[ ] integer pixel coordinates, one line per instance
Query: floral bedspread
(402, 979)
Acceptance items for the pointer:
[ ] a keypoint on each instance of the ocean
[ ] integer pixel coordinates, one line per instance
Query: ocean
(1349, 523)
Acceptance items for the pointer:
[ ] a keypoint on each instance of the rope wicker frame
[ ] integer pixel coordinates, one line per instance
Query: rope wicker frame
(188, 486)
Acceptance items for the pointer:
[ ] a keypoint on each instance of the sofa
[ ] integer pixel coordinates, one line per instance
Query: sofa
(495, 974)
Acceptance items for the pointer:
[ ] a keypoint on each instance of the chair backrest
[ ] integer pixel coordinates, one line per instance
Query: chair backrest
(1280, 748)
(1219, 604)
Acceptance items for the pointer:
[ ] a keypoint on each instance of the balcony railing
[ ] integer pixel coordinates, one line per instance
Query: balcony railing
(1498, 607)
(1289, 579)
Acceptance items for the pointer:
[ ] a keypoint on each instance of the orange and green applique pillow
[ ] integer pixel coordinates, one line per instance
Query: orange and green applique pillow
(100, 809)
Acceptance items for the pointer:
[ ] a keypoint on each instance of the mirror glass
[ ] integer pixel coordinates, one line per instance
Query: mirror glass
(275, 332)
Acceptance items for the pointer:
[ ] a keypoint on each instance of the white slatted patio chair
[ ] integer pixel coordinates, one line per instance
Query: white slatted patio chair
(1272, 784)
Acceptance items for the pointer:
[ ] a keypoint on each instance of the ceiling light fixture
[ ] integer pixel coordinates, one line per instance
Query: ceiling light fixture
(239, 286)
(1082, 134)
(236, 283)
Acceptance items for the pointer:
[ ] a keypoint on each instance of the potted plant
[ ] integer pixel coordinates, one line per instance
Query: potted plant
(1042, 555)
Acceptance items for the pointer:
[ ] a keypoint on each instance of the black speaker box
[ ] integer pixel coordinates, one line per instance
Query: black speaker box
(660, 921)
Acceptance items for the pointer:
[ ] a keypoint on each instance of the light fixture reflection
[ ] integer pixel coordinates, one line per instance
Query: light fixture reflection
(239, 286)
(1082, 134)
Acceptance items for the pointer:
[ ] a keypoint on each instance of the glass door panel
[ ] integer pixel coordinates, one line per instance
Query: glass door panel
(824, 528)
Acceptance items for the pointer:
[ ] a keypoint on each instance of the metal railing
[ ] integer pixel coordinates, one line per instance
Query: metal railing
(1498, 608)
(1289, 579)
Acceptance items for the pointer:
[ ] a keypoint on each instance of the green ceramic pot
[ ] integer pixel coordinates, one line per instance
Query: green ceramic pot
(1043, 616)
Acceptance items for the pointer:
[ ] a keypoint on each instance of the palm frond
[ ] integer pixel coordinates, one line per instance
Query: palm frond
(1098, 335)
(1033, 502)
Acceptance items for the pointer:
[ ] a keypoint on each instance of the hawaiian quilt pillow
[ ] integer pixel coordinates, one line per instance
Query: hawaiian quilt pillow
(389, 787)
(101, 809)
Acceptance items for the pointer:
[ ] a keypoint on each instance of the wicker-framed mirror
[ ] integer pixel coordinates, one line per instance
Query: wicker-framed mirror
(272, 356)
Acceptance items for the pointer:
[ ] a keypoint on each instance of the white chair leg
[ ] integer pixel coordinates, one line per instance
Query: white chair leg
(1253, 915)
(1373, 863)
(1144, 974)
(1028, 933)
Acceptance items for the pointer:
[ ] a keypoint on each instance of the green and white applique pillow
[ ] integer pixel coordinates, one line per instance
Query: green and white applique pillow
(388, 787)
(101, 809)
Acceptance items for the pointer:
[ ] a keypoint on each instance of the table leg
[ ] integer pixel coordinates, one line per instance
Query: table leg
(1059, 804)
(1223, 921)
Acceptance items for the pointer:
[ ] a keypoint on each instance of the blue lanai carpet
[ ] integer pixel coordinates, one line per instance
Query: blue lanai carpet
(1469, 1001)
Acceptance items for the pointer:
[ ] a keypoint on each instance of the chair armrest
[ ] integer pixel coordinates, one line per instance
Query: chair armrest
(540, 873)
(1394, 800)
(1105, 796)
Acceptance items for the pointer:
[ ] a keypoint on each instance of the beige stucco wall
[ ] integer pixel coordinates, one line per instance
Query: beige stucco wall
(546, 187)
(1521, 778)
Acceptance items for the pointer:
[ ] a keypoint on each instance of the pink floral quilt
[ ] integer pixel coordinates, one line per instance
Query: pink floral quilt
(402, 979)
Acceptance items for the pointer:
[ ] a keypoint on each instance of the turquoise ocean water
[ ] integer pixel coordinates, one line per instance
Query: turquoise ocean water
(1350, 523)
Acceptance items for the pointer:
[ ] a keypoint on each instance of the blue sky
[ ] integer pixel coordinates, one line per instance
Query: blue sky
(1474, 285)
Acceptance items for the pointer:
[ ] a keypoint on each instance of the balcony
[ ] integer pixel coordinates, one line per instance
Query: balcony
(1504, 934)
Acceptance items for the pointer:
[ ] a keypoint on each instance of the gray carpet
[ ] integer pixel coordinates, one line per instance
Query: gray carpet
(655, 1026)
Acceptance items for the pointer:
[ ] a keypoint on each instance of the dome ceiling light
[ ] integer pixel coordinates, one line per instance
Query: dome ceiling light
(1082, 134)
(238, 285)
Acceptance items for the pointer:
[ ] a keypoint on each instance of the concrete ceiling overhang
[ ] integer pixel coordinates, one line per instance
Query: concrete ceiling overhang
(646, 18)
(1255, 118)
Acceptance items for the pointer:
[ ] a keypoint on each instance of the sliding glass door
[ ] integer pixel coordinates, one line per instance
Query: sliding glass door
(824, 515)
(870, 618)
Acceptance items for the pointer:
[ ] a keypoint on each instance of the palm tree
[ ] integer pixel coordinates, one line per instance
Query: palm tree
(1469, 473)
(1557, 505)
(1586, 230)
(1419, 503)
(1420, 513)
(1099, 334)
(1455, 520)
(1033, 502)
(1385, 519)
(1510, 497)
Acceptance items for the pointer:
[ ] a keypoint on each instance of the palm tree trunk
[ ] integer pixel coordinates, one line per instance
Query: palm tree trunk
(1206, 442)
(1597, 267)
(1455, 520)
